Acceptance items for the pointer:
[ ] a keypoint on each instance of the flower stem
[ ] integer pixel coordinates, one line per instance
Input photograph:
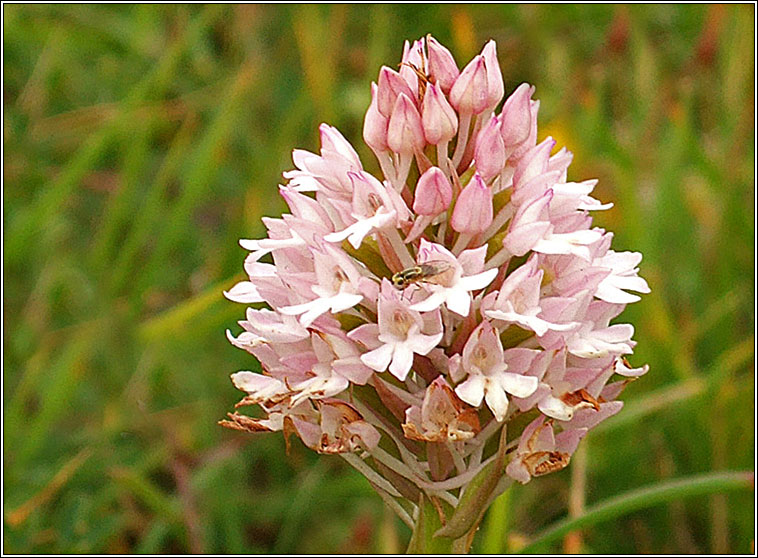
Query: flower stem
(460, 147)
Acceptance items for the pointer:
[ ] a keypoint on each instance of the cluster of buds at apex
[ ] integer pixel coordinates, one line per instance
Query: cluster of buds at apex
(403, 320)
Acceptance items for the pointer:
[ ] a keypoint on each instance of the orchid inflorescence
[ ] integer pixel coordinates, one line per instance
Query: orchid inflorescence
(405, 320)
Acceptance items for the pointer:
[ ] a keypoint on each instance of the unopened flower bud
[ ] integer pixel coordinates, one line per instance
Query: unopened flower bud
(442, 66)
(391, 84)
(517, 116)
(412, 58)
(531, 140)
(473, 209)
(469, 92)
(375, 125)
(489, 154)
(405, 133)
(439, 119)
(433, 193)
(495, 87)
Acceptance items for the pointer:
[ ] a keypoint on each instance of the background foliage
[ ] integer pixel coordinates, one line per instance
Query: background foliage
(142, 141)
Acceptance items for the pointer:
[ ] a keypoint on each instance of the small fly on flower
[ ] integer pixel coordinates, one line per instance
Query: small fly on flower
(434, 271)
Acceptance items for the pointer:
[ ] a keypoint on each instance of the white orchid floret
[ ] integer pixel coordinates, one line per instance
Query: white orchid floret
(327, 172)
(563, 391)
(337, 288)
(333, 363)
(453, 287)
(307, 213)
(399, 334)
(573, 196)
(623, 276)
(375, 206)
(280, 236)
(247, 291)
(575, 243)
(594, 338)
(487, 377)
(273, 326)
(518, 300)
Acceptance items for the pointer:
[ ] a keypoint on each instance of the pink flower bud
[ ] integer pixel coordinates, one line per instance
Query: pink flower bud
(375, 125)
(405, 133)
(413, 57)
(433, 193)
(531, 140)
(517, 116)
(391, 84)
(495, 87)
(473, 209)
(469, 92)
(439, 119)
(489, 154)
(442, 66)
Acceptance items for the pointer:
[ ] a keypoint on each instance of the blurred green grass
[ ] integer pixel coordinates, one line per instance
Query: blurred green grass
(142, 141)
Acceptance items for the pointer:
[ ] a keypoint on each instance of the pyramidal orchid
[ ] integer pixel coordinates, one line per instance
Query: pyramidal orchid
(444, 326)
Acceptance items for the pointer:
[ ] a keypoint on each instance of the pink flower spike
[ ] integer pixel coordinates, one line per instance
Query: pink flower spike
(367, 275)
(433, 193)
(405, 133)
(469, 93)
(375, 125)
(473, 208)
(442, 66)
(451, 288)
(391, 85)
(439, 119)
(517, 116)
(489, 154)
(495, 87)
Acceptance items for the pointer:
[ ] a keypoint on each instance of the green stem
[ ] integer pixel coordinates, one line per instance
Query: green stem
(496, 525)
(429, 522)
(645, 498)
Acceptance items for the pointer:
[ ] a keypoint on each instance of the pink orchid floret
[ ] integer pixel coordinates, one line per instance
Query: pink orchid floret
(399, 334)
(487, 375)
(403, 318)
(518, 301)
